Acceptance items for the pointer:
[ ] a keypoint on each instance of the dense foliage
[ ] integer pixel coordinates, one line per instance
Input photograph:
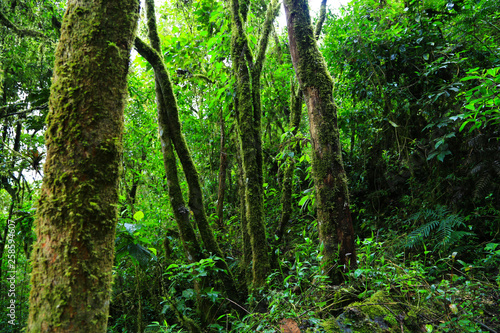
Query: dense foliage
(416, 89)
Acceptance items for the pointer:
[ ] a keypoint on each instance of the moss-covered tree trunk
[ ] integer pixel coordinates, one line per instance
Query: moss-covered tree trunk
(332, 196)
(77, 210)
(246, 259)
(248, 108)
(170, 128)
(181, 212)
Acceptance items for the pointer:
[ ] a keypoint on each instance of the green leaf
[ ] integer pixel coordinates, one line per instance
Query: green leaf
(139, 215)
(393, 123)
(303, 200)
(491, 246)
(474, 77)
(464, 124)
(139, 253)
(188, 293)
(442, 155)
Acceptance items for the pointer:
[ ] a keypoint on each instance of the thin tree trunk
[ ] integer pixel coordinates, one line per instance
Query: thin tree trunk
(77, 211)
(296, 101)
(248, 109)
(332, 196)
(321, 19)
(222, 172)
(170, 126)
(245, 236)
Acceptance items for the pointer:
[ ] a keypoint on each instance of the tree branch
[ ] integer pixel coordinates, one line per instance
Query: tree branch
(321, 19)
(147, 52)
(271, 14)
(152, 29)
(19, 31)
(40, 107)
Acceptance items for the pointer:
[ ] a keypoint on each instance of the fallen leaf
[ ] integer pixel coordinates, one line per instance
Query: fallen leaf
(289, 326)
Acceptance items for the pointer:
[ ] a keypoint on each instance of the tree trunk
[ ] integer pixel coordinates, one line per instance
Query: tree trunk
(222, 172)
(332, 197)
(170, 127)
(248, 109)
(77, 210)
(246, 259)
(296, 101)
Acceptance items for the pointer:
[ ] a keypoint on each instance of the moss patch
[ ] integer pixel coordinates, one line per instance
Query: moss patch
(379, 313)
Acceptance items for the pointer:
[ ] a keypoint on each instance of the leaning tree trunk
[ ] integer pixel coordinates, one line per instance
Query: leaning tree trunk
(77, 210)
(332, 196)
(170, 126)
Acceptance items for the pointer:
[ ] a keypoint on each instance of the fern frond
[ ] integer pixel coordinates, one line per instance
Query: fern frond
(476, 142)
(440, 230)
(418, 235)
(482, 185)
(477, 168)
(496, 167)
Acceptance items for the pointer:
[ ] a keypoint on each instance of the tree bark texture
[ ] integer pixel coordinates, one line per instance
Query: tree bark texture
(321, 19)
(248, 109)
(246, 259)
(332, 197)
(77, 210)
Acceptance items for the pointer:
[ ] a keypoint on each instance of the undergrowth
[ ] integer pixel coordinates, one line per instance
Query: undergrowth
(427, 292)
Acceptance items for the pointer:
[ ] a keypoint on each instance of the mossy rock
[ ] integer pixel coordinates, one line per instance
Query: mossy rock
(377, 314)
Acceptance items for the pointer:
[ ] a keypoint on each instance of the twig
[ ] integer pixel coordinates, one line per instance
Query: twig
(230, 300)
(486, 327)
(40, 107)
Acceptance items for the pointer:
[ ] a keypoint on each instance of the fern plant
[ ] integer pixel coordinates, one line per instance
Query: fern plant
(484, 162)
(440, 228)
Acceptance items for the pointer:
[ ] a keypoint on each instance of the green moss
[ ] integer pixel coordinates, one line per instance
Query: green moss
(377, 314)
(332, 196)
(250, 142)
(77, 208)
(331, 326)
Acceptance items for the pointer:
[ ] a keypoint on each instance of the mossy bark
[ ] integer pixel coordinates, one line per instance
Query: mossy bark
(248, 109)
(246, 259)
(187, 234)
(321, 19)
(77, 210)
(332, 196)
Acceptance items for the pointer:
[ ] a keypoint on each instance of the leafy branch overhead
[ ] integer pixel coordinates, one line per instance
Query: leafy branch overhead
(20, 31)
